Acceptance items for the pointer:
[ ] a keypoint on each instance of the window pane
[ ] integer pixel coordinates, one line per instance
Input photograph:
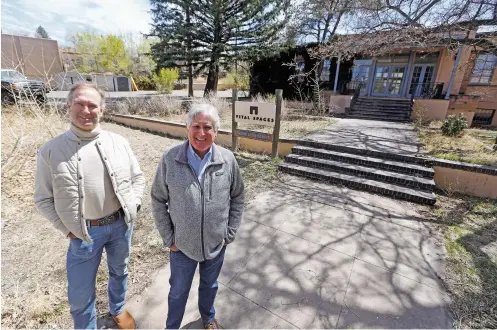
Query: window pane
(483, 69)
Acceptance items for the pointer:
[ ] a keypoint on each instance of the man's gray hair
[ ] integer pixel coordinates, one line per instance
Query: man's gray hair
(86, 85)
(206, 109)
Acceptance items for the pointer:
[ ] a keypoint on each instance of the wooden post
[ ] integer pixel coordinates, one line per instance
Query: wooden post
(276, 131)
(235, 142)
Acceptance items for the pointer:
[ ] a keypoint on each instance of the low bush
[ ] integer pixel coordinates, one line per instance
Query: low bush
(454, 125)
(144, 83)
(165, 79)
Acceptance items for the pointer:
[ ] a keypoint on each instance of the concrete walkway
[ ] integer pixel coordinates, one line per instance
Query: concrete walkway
(374, 135)
(310, 255)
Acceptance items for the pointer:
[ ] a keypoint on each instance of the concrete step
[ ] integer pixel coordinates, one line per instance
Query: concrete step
(360, 183)
(364, 172)
(385, 118)
(374, 162)
(409, 159)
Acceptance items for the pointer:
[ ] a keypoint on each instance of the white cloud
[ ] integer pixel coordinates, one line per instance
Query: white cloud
(63, 18)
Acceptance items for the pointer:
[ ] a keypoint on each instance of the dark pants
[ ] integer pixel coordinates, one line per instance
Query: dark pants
(182, 272)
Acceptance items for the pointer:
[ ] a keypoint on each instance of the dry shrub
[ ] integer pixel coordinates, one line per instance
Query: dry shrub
(223, 105)
(156, 106)
(29, 300)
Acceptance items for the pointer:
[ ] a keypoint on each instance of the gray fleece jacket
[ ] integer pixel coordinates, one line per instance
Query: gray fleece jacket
(198, 219)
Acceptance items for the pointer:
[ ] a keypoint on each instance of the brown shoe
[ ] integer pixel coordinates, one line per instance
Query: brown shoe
(124, 320)
(211, 325)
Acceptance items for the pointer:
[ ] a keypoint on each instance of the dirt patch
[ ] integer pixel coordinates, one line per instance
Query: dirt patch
(475, 146)
(469, 226)
(34, 285)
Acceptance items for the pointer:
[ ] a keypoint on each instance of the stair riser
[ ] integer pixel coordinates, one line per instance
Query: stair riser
(381, 110)
(377, 105)
(370, 100)
(363, 174)
(351, 160)
(360, 186)
(379, 114)
(380, 104)
(363, 152)
(377, 118)
(383, 103)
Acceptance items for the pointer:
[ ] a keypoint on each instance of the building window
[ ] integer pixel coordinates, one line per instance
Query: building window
(484, 68)
(325, 71)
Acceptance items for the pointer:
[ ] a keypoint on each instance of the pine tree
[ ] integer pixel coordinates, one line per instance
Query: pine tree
(41, 33)
(211, 33)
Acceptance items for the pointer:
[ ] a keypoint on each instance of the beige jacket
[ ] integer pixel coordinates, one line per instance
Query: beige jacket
(59, 180)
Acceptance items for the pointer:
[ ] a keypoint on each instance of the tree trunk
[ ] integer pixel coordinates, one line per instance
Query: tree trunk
(190, 80)
(189, 53)
(211, 84)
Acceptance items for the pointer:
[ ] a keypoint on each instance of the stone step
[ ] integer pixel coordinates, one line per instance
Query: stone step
(382, 118)
(360, 183)
(389, 165)
(410, 159)
(363, 171)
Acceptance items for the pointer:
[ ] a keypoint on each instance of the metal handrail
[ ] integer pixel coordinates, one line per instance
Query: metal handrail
(357, 93)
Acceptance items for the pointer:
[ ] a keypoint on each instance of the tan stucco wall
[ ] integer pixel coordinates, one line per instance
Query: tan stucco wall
(446, 64)
(461, 70)
(471, 183)
(223, 138)
(430, 109)
(338, 103)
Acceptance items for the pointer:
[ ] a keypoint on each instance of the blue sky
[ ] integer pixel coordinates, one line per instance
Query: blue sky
(63, 18)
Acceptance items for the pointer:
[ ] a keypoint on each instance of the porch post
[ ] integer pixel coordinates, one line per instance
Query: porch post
(336, 74)
(407, 81)
(454, 71)
(371, 77)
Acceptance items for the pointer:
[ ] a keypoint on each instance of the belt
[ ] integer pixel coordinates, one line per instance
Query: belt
(106, 220)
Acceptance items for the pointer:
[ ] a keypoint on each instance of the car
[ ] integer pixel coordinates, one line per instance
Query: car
(16, 86)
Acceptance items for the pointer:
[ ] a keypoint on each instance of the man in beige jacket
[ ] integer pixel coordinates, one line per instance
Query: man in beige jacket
(89, 185)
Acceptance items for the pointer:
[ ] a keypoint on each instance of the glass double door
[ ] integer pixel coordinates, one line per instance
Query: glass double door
(388, 80)
(421, 81)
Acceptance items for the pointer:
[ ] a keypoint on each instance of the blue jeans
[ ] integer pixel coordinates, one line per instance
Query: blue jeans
(83, 260)
(182, 272)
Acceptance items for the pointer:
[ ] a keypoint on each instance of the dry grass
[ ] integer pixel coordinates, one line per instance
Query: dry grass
(470, 230)
(294, 124)
(475, 146)
(34, 292)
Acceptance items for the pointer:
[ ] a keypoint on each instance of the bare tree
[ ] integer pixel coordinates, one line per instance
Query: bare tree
(319, 19)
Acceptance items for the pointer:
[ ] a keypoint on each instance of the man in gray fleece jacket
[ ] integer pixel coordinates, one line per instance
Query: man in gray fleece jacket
(197, 201)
